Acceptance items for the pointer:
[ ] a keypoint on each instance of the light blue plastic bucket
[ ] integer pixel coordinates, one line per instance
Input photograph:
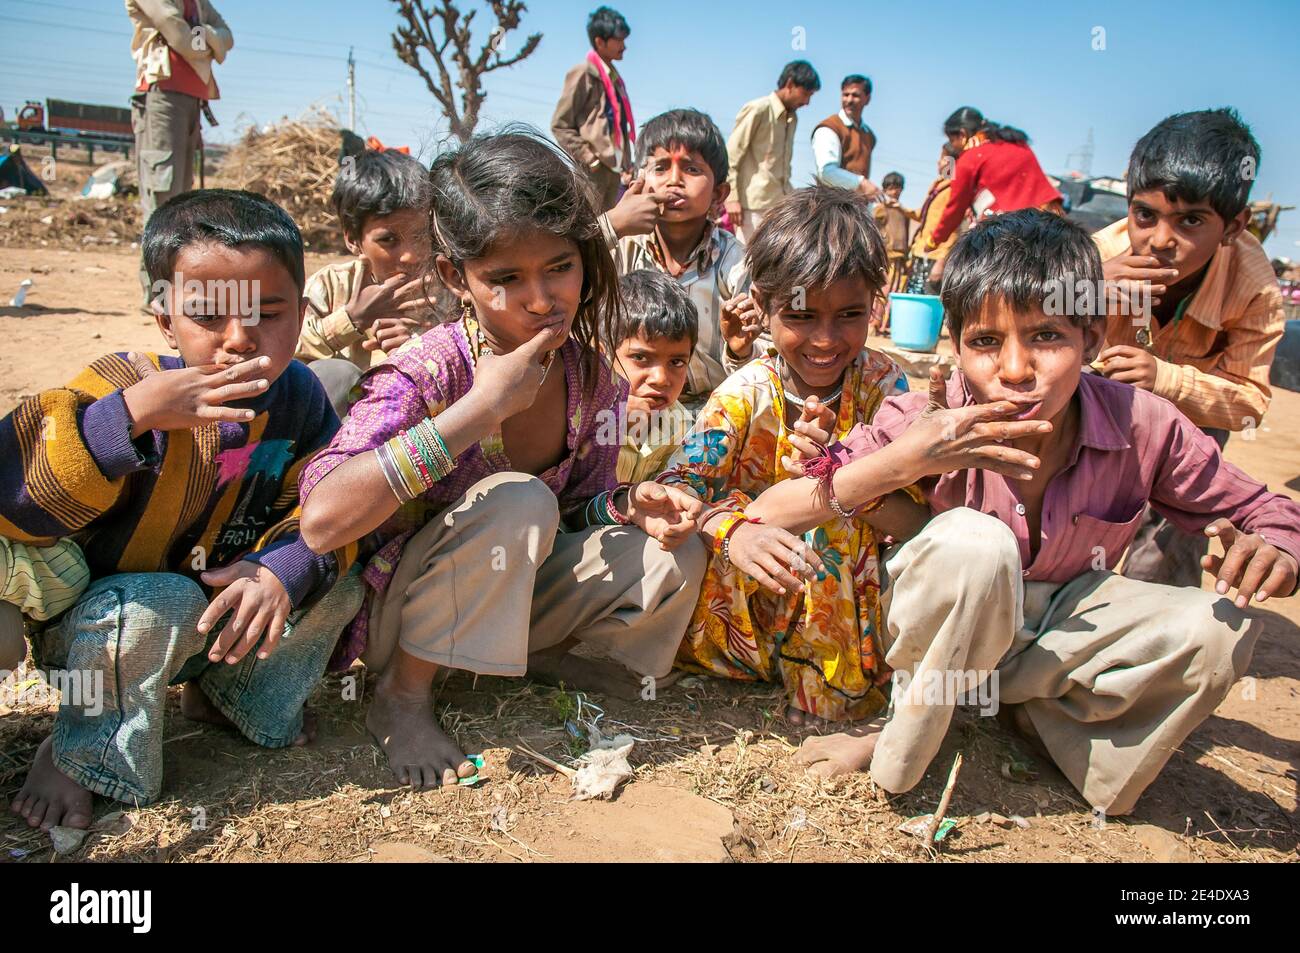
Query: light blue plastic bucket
(915, 321)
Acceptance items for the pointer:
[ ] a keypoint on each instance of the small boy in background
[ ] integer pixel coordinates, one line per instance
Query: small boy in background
(1216, 304)
(894, 222)
(654, 338)
(179, 478)
(359, 310)
(682, 160)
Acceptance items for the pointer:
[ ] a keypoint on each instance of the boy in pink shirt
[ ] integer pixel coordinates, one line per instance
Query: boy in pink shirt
(1038, 474)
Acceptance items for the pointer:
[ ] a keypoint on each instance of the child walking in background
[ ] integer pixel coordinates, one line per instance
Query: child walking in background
(894, 221)
(818, 638)
(925, 269)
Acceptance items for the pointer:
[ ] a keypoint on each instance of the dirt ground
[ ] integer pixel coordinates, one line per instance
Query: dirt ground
(712, 778)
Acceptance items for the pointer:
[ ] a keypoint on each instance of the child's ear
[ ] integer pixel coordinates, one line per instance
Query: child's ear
(1093, 333)
(159, 304)
(720, 192)
(302, 312)
(450, 276)
(1235, 226)
(353, 246)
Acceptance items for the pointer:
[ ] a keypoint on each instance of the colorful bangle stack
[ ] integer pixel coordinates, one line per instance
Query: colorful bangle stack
(414, 460)
(601, 511)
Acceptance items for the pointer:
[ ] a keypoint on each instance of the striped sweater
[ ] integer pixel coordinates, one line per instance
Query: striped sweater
(178, 501)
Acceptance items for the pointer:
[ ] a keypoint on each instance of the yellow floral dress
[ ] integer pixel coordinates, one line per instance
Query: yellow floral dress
(821, 643)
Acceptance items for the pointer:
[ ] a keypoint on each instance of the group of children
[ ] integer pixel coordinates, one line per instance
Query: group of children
(666, 446)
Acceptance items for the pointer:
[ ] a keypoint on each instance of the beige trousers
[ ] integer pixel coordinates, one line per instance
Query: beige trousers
(748, 224)
(1113, 673)
(491, 579)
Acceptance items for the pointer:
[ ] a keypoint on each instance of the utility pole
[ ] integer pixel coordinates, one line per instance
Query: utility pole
(352, 91)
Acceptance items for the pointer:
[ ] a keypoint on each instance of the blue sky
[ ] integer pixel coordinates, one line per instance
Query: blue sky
(1024, 63)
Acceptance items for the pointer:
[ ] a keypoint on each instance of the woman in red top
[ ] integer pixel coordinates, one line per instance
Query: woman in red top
(996, 172)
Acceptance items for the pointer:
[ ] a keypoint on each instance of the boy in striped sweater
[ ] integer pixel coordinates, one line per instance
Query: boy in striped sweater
(178, 477)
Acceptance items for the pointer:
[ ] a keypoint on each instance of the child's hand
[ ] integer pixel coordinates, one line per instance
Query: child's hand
(667, 513)
(508, 383)
(370, 302)
(812, 434)
(637, 211)
(392, 333)
(190, 397)
(258, 605)
(741, 322)
(1250, 563)
(732, 205)
(773, 557)
(1132, 365)
(1128, 272)
(941, 439)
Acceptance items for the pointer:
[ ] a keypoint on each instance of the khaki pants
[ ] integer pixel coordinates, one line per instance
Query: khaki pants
(166, 127)
(1113, 673)
(748, 224)
(491, 580)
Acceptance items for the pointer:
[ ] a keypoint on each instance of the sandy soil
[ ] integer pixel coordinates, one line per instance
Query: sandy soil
(712, 777)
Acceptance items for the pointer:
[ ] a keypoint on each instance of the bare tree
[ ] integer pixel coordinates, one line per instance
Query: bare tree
(439, 29)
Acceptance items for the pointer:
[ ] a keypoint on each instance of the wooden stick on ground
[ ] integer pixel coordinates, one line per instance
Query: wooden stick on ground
(937, 817)
(528, 752)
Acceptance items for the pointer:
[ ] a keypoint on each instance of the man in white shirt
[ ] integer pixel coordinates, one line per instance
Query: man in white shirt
(843, 143)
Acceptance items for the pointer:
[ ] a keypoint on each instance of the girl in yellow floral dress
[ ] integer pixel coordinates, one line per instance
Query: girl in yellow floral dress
(817, 263)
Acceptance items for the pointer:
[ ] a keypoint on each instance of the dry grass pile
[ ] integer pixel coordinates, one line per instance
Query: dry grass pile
(293, 163)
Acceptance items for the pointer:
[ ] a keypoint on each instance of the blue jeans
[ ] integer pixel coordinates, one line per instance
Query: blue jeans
(137, 632)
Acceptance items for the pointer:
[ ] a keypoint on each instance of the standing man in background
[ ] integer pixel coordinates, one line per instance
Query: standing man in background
(175, 44)
(843, 143)
(593, 119)
(761, 147)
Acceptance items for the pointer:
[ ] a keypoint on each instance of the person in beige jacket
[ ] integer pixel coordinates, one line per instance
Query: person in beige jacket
(593, 120)
(174, 44)
(761, 147)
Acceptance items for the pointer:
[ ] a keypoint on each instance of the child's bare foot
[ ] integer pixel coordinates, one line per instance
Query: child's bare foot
(13, 644)
(49, 798)
(419, 752)
(841, 753)
(196, 706)
(586, 674)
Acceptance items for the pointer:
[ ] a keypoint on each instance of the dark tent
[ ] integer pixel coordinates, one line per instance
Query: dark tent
(14, 171)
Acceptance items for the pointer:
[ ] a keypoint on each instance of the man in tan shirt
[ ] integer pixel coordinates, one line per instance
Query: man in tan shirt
(593, 119)
(761, 147)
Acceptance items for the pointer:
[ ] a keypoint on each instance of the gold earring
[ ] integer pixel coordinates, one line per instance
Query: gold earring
(466, 310)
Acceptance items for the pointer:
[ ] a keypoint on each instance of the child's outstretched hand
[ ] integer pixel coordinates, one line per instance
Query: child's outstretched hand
(667, 513)
(741, 322)
(775, 558)
(258, 605)
(1251, 564)
(387, 299)
(508, 383)
(812, 435)
(190, 397)
(943, 439)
